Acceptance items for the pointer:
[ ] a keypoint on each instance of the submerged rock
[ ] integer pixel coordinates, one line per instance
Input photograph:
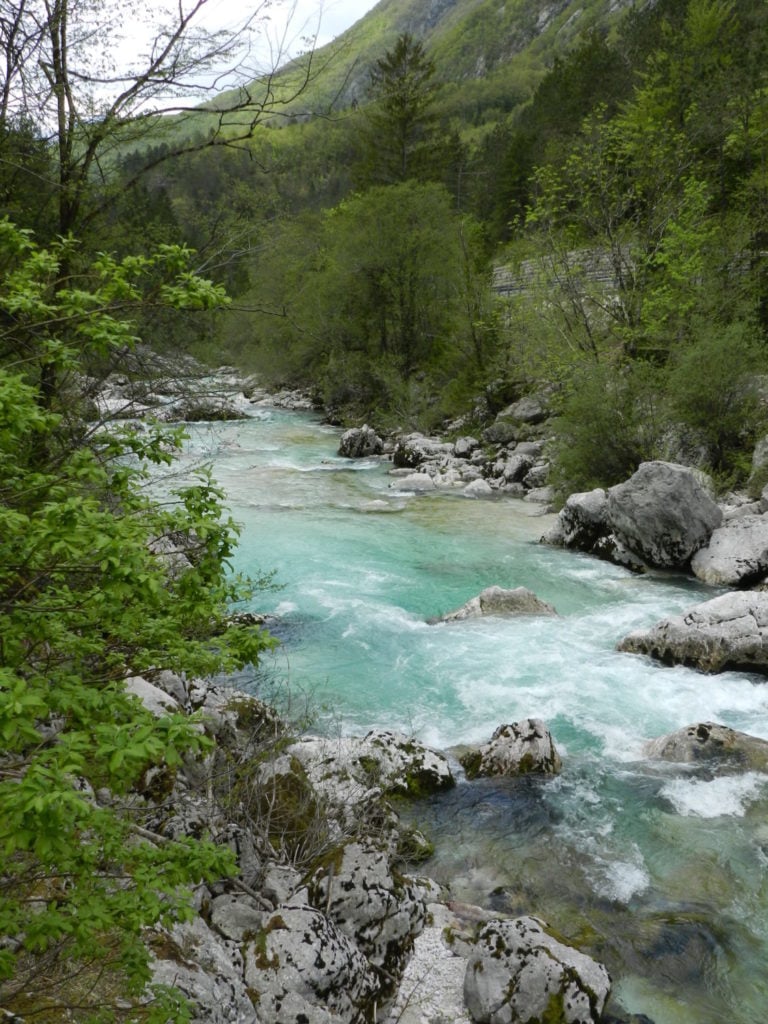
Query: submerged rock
(728, 632)
(498, 601)
(514, 749)
(709, 741)
(519, 973)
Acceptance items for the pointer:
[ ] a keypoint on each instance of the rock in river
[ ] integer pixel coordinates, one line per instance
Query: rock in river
(519, 973)
(710, 742)
(514, 749)
(498, 601)
(728, 632)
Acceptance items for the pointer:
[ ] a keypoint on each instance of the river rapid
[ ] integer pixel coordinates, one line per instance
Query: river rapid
(657, 871)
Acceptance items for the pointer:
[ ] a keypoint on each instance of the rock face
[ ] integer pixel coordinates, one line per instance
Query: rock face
(360, 442)
(663, 513)
(515, 749)
(498, 601)
(519, 973)
(709, 742)
(729, 632)
(737, 554)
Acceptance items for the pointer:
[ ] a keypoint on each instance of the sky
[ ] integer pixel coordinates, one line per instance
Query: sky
(294, 20)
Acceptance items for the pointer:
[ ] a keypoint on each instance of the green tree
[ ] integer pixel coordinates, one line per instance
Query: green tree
(398, 138)
(85, 602)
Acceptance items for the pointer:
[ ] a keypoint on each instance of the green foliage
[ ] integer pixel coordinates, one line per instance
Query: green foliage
(714, 390)
(611, 420)
(84, 603)
(398, 137)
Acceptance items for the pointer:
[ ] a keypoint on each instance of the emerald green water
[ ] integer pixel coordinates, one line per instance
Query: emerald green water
(658, 872)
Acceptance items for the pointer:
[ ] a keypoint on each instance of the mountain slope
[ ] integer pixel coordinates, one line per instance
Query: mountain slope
(467, 39)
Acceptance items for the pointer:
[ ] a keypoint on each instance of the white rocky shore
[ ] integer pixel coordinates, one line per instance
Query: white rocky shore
(320, 925)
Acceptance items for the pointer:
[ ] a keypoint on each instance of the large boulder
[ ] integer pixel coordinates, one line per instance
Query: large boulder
(710, 742)
(582, 522)
(737, 554)
(664, 513)
(381, 911)
(728, 632)
(498, 601)
(300, 966)
(515, 749)
(360, 442)
(521, 975)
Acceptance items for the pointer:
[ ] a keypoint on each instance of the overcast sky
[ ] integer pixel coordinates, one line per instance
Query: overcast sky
(290, 21)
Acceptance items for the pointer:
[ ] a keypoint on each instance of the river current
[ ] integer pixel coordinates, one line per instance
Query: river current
(658, 871)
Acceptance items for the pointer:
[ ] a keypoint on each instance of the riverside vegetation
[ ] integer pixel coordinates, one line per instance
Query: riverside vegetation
(644, 141)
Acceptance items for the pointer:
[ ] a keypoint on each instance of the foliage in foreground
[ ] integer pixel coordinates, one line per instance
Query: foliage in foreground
(85, 601)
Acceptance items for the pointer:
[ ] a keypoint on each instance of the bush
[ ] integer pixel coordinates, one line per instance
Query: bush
(611, 420)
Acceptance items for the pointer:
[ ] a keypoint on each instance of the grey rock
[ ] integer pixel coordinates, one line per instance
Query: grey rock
(382, 914)
(537, 475)
(465, 446)
(301, 963)
(582, 522)
(519, 973)
(516, 467)
(728, 632)
(541, 495)
(236, 916)
(360, 442)
(207, 969)
(664, 513)
(710, 742)
(737, 554)
(530, 409)
(498, 601)
(415, 449)
(501, 432)
(759, 472)
(515, 749)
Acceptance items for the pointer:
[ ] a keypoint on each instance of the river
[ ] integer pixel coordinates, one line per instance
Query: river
(657, 871)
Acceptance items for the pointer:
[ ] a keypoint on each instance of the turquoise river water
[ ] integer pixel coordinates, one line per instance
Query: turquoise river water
(657, 871)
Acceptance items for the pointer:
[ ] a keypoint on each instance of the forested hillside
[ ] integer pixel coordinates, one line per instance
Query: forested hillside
(359, 245)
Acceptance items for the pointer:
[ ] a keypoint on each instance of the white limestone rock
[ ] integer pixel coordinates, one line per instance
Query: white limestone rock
(206, 968)
(301, 963)
(499, 601)
(521, 975)
(728, 632)
(155, 700)
(380, 912)
(517, 748)
(360, 442)
(737, 554)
